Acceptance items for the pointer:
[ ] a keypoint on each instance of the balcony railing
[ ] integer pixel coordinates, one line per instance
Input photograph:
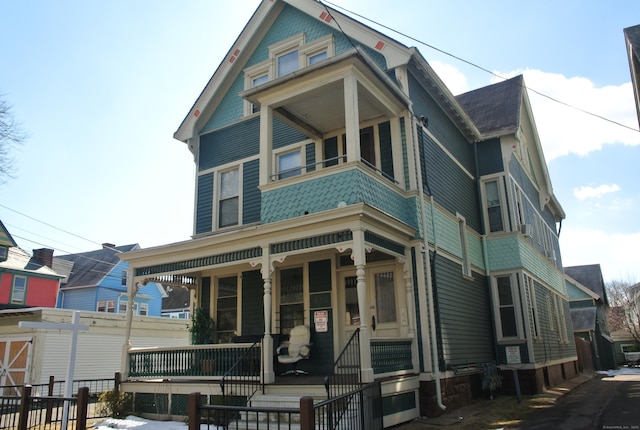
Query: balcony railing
(196, 361)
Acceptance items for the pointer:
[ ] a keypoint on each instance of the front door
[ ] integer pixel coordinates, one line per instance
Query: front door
(382, 300)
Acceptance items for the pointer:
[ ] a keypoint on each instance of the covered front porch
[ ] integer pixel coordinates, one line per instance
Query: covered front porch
(349, 273)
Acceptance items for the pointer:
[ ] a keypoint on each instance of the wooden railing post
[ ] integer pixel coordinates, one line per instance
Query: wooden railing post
(117, 380)
(307, 414)
(25, 406)
(81, 407)
(193, 411)
(49, 412)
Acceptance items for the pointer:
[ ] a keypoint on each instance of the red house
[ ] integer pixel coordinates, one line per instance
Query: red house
(26, 281)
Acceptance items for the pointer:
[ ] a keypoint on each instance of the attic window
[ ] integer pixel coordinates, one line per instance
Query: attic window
(3, 254)
(287, 63)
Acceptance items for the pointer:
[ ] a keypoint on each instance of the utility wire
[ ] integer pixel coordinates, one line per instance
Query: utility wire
(470, 63)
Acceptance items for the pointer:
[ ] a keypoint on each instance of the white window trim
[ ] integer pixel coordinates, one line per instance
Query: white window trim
(144, 307)
(24, 291)
(300, 146)
(518, 209)
(561, 320)
(499, 179)
(517, 307)
(238, 277)
(464, 246)
(250, 73)
(216, 197)
(284, 47)
(316, 47)
(105, 306)
(534, 319)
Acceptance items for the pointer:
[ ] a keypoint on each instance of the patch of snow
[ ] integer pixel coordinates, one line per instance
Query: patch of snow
(624, 370)
(137, 423)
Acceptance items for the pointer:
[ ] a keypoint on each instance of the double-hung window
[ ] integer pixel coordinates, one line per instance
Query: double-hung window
(227, 308)
(19, 290)
(228, 200)
(493, 203)
(289, 164)
(108, 306)
(291, 299)
(287, 63)
(256, 81)
(507, 318)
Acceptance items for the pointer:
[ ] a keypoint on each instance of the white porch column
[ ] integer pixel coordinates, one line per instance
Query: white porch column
(267, 344)
(266, 144)
(411, 312)
(359, 259)
(131, 293)
(352, 118)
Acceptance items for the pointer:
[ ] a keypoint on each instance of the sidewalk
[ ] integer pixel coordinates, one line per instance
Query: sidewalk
(475, 409)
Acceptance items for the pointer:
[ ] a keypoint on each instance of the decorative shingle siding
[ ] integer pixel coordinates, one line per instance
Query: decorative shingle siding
(513, 253)
(475, 251)
(450, 186)
(440, 125)
(464, 312)
(251, 196)
(204, 203)
(351, 187)
(291, 22)
(229, 144)
(489, 157)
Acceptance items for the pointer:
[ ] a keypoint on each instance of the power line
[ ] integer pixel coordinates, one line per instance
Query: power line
(470, 63)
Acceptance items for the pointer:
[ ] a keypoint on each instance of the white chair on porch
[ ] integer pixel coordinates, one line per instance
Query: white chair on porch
(298, 348)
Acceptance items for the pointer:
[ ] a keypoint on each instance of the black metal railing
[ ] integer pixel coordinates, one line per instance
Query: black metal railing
(355, 410)
(345, 374)
(43, 412)
(391, 355)
(242, 380)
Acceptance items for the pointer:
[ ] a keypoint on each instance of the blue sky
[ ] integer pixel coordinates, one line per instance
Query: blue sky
(101, 86)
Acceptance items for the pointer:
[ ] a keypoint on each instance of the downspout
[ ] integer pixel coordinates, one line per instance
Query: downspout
(425, 244)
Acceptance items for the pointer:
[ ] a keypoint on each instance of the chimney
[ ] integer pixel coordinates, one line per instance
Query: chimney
(44, 256)
(108, 245)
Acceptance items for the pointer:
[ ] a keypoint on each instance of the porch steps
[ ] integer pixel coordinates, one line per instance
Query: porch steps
(282, 398)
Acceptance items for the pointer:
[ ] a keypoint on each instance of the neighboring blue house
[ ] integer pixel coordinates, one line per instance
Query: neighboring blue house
(341, 185)
(96, 281)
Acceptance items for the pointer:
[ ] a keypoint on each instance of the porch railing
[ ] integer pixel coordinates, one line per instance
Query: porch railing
(345, 374)
(391, 355)
(195, 361)
(242, 380)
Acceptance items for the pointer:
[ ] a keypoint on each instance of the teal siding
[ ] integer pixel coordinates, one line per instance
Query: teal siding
(489, 157)
(284, 134)
(350, 187)
(549, 348)
(252, 303)
(229, 144)
(204, 203)
(451, 186)
(251, 196)
(440, 125)
(464, 314)
(405, 158)
(386, 154)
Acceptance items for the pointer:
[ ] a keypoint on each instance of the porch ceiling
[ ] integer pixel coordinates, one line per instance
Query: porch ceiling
(314, 97)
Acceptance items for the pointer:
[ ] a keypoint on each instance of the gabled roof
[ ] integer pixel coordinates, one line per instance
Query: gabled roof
(395, 53)
(632, 38)
(90, 268)
(5, 238)
(498, 110)
(591, 277)
(177, 298)
(495, 109)
(20, 260)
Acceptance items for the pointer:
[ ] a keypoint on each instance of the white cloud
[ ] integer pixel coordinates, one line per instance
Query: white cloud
(453, 78)
(616, 253)
(594, 192)
(564, 129)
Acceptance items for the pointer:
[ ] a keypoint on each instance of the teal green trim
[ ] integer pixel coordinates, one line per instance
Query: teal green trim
(319, 300)
(311, 242)
(398, 403)
(382, 242)
(195, 263)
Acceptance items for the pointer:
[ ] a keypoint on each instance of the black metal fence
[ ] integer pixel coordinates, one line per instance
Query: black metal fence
(360, 409)
(41, 406)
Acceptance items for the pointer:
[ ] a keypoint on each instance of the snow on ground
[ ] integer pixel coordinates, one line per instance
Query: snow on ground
(137, 423)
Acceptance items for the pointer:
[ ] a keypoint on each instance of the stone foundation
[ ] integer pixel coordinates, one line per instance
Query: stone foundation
(457, 391)
(534, 381)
